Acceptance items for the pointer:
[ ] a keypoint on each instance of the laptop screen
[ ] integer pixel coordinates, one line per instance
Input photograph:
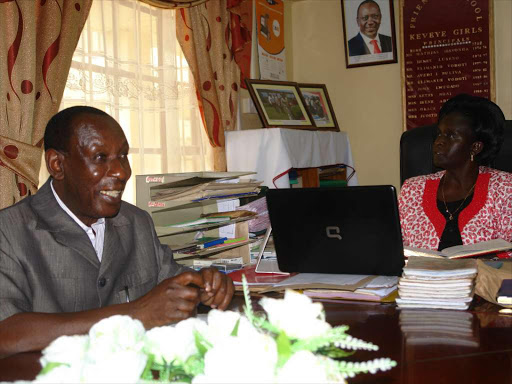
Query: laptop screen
(348, 230)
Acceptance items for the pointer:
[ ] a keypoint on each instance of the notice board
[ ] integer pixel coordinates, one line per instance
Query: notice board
(447, 49)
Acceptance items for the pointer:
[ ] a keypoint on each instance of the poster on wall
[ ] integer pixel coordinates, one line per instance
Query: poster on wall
(270, 26)
(448, 49)
(369, 30)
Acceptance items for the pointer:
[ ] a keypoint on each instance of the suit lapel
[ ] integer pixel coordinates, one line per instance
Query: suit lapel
(113, 248)
(52, 218)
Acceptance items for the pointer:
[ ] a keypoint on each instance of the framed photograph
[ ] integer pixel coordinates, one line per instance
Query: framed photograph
(279, 104)
(317, 101)
(369, 30)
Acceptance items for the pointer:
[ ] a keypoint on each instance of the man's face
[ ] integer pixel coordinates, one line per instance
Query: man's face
(95, 169)
(368, 19)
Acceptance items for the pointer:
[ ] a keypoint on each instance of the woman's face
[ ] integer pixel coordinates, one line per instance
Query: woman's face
(453, 145)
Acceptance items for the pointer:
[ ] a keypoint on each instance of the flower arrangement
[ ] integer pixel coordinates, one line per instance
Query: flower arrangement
(292, 343)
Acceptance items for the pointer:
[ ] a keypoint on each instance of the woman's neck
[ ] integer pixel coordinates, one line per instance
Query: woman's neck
(457, 183)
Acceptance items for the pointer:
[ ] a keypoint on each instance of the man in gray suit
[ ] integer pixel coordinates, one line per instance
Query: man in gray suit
(75, 253)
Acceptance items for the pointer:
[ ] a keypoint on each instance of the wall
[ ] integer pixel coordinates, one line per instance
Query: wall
(367, 100)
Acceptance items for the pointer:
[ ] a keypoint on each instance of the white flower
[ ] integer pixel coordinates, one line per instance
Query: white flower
(222, 323)
(115, 351)
(174, 342)
(115, 334)
(121, 367)
(306, 367)
(68, 350)
(233, 359)
(63, 374)
(296, 314)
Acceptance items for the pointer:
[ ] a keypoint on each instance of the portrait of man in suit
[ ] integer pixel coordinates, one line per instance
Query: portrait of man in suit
(368, 41)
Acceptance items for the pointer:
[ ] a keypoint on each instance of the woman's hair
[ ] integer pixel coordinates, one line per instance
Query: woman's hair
(485, 119)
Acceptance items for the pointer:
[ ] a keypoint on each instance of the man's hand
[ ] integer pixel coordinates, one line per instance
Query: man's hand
(218, 288)
(172, 300)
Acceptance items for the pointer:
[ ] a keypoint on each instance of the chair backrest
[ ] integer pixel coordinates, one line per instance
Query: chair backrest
(416, 151)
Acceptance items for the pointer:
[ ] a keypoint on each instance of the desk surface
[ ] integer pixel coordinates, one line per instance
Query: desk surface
(482, 355)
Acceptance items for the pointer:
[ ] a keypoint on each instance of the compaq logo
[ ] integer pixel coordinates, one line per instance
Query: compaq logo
(333, 232)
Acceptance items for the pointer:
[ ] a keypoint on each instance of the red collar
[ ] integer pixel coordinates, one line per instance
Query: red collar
(437, 219)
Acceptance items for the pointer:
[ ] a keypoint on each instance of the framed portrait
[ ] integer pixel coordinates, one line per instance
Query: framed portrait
(317, 102)
(369, 30)
(279, 104)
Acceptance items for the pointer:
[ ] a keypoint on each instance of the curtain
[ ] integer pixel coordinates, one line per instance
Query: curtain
(37, 40)
(129, 64)
(241, 30)
(205, 33)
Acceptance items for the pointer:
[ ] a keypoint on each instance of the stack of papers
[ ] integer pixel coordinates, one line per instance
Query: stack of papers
(210, 190)
(442, 327)
(380, 288)
(437, 283)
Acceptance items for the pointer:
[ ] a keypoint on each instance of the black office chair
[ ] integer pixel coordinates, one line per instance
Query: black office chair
(416, 151)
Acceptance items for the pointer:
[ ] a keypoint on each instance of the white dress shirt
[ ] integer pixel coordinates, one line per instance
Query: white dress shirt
(96, 232)
(368, 43)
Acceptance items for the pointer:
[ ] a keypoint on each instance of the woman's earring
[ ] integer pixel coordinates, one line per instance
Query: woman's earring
(472, 157)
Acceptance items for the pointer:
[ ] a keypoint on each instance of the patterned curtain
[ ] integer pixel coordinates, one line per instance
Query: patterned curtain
(210, 35)
(37, 40)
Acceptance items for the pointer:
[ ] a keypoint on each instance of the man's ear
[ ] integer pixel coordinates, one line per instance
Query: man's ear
(55, 163)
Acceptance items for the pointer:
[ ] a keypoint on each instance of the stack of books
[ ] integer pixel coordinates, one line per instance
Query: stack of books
(437, 283)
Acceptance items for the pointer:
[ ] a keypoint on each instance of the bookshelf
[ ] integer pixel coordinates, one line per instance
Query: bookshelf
(168, 213)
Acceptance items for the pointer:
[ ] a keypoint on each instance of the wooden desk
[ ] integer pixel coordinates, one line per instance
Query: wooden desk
(487, 360)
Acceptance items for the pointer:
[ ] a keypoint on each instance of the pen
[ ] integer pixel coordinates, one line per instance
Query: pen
(127, 295)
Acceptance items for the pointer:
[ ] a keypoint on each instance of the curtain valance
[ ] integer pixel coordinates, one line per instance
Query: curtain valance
(171, 4)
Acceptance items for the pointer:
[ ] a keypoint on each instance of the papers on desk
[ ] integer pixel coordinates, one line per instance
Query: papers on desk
(379, 289)
(437, 283)
(322, 286)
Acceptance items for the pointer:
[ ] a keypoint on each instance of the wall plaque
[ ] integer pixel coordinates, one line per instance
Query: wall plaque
(447, 49)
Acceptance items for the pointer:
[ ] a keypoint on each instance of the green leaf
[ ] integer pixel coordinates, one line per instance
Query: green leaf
(235, 329)
(202, 344)
(147, 374)
(284, 348)
(334, 352)
(50, 366)
(194, 365)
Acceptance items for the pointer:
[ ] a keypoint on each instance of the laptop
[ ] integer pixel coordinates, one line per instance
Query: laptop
(347, 230)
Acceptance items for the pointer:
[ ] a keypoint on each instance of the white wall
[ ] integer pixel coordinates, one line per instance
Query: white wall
(367, 100)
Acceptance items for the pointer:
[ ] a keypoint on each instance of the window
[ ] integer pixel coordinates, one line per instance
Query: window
(129, 63)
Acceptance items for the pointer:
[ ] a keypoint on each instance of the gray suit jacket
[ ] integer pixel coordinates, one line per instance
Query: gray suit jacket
(48, 264)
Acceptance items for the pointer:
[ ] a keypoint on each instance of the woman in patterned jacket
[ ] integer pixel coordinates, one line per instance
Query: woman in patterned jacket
(467, 202)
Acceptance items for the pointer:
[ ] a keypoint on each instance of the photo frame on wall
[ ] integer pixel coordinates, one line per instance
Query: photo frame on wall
(369, 30)
(279, 104)
(318, 104)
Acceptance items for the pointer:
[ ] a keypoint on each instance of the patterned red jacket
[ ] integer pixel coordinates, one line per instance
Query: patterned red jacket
(488, 216)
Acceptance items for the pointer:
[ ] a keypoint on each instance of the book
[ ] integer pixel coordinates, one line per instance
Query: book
(504, 295)
(461, 251)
